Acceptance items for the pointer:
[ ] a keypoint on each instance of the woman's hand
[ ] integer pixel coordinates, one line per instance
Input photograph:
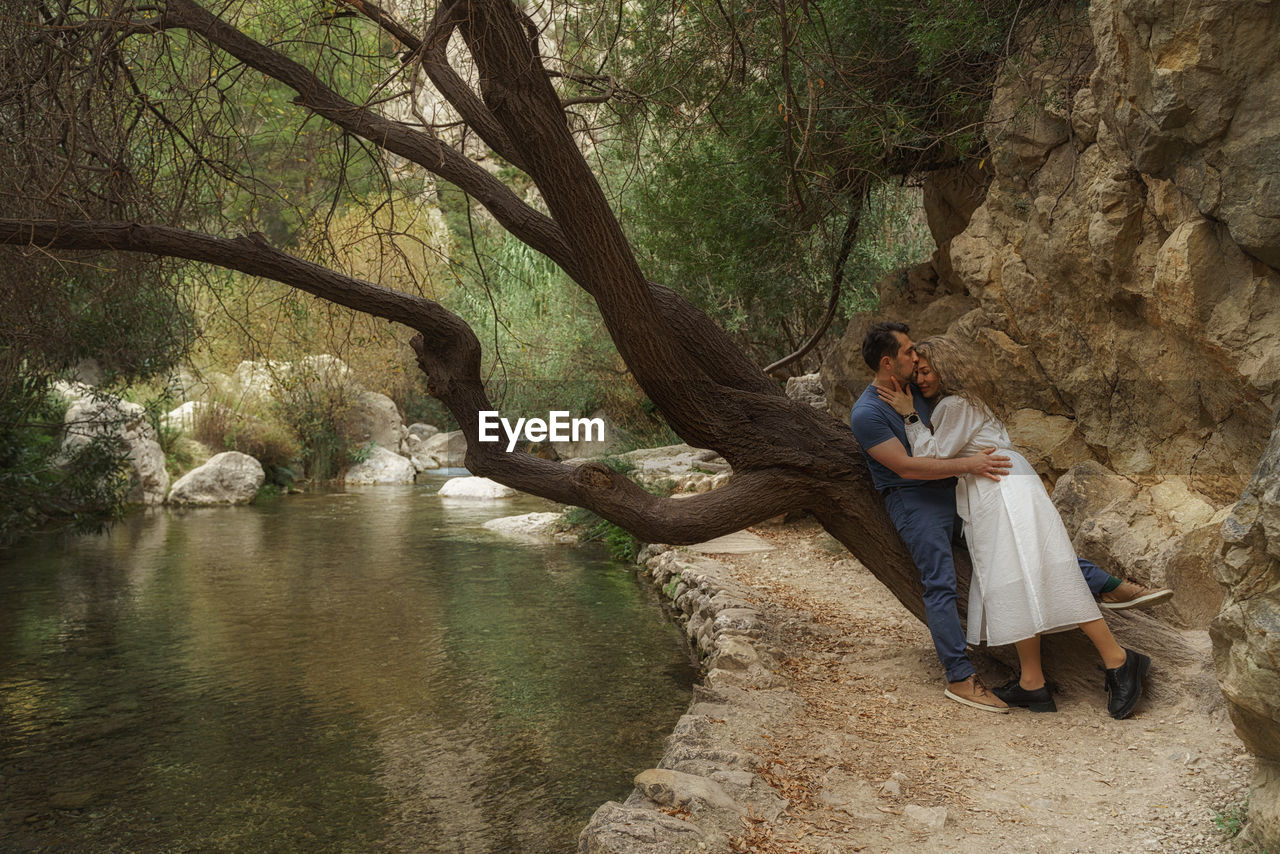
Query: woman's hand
(897, 397)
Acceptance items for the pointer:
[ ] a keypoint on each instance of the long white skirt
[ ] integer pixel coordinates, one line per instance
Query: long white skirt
(1025, 577)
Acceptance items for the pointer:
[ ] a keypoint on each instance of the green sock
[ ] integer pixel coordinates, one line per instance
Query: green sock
(1112, 584)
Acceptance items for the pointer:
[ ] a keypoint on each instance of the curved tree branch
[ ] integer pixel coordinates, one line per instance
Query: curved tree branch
(837, 280)
(419, 147)
(449, 354)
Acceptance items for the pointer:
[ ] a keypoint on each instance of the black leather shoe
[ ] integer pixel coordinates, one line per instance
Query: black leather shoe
(1124, 684)
(1039, 700)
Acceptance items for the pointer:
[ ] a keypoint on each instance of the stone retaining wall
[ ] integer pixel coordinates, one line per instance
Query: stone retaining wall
(707, 787)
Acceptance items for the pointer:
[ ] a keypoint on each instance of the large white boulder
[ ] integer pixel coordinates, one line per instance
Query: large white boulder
(228, 478)
(449, 449)
(476, 489)
(257, 382)
(91, 417)
(381, 466)
(374, 417)
(184, 417)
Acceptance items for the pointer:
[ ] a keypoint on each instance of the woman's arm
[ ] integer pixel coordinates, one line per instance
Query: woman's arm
(955, 423)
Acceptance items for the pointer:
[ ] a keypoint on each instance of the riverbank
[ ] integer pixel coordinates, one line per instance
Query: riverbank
(821, 727)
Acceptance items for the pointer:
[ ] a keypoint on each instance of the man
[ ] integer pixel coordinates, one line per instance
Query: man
(920, 497)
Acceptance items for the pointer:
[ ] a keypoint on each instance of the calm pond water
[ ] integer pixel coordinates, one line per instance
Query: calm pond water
(348, 671)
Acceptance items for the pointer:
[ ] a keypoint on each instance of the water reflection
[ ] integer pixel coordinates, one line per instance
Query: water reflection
(343, 672)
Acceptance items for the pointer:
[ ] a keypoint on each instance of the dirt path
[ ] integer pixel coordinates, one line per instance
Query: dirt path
(878, 753)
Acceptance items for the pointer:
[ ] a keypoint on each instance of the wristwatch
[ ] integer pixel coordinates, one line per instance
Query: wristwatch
(913, 418)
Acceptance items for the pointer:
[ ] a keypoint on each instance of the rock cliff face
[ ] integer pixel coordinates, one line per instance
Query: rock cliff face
(1246, 635)
(1115, 260)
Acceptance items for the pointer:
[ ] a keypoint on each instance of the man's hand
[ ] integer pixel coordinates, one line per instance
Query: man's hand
(988, 464)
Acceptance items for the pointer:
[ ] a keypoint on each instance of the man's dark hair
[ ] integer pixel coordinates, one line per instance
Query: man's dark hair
(880, 342)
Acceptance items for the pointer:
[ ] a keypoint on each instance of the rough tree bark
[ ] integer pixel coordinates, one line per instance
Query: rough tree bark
(785, 455)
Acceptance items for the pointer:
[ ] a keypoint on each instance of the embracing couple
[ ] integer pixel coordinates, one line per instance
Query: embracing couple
(930, 427)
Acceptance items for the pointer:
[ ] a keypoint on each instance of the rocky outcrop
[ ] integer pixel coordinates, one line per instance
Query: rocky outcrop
(423, 431)
(593, 442)
(1115, 260)
(93, 417)
(228, 478)
(1189, 91)
(1246, 635)
(1164, 532)
(1124, 322)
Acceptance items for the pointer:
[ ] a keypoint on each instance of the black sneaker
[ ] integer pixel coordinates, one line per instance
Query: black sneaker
(1124, 684)
(1039, 700)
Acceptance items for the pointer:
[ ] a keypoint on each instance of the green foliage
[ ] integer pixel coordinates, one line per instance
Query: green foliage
(621, 544)
(39, 485)
(269, 442)
(267, 492)
(592, 529)
(315, 414)
(543, 344)
(1231, 820)
(757, 132)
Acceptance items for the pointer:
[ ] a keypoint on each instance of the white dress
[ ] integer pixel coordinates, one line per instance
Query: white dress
(1025, 577)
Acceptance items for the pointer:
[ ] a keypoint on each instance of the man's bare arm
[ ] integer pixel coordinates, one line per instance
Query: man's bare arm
(893, 456)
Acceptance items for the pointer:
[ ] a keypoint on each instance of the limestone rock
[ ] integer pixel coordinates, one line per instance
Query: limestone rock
(1246, 635)
(685, 791)
(184, 417)
(256, 382)
(228, 478)
(423, 431)
(381, 466)
(1162, 534)
(415, 448)
(449, 449)
(374, 417)
(1087, 488)
(1050, 443)
(672, 462)
(808, 389)
(92, 417)
(928, 819)
(535, 527)
(1263, 829)
(1190, 93)
(618, 829)
(476, 489)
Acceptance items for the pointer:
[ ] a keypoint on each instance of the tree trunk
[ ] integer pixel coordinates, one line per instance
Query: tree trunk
(785, 455)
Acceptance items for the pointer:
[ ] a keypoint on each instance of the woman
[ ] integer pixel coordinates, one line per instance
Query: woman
(1025, 577)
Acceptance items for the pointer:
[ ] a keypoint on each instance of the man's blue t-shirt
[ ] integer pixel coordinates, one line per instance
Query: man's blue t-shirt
(873, 421)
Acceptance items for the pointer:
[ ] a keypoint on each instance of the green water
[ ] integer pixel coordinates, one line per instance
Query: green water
(358, 671)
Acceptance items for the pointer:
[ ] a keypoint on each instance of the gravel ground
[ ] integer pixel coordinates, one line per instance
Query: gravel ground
(880, 761)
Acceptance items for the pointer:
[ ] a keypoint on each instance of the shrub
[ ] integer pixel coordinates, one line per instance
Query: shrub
(40, 486)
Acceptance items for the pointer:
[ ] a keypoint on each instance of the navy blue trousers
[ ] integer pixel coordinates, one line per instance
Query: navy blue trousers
(926, 519)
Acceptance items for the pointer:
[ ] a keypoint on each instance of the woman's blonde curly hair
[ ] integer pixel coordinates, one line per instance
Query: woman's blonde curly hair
(958, 373)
